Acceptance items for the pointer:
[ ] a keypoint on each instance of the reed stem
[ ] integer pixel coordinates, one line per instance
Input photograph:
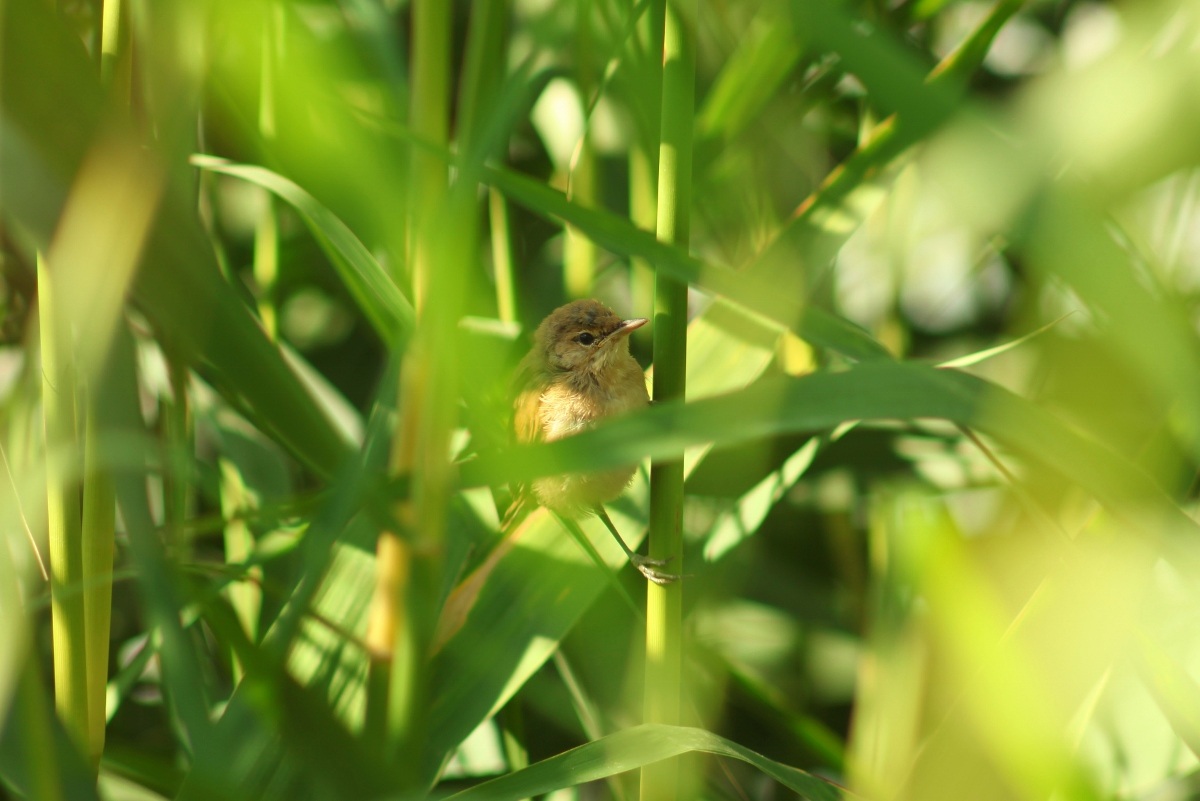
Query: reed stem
(68, 624)
(664, 620)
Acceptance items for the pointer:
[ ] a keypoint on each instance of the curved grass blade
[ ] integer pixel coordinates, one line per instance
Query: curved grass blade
(384, 305)
(749, 511)
(987, 353)
(632, 749)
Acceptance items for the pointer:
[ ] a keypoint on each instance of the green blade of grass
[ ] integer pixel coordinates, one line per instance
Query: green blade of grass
(383, 304)
(752, 74)
(636, 748)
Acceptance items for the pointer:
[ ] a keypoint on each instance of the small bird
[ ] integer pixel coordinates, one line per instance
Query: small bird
(578, 372)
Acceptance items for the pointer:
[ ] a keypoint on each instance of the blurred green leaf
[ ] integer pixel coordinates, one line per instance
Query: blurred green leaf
(1152, 333)
(750, 510)
(38, 759)
(850, 193)
(894, 78)
(1175, 690)
(752, 75)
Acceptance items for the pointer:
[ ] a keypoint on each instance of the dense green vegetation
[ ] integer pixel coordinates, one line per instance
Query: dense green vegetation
(922, 279)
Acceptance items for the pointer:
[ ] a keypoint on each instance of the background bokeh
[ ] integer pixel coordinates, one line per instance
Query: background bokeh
(942, 424)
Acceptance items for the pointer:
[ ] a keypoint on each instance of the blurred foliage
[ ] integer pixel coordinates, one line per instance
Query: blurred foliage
(902, 581)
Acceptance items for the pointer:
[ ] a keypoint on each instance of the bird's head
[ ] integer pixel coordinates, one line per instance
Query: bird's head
(584, 335)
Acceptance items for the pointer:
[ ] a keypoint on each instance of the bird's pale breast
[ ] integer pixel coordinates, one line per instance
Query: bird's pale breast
(571, 403)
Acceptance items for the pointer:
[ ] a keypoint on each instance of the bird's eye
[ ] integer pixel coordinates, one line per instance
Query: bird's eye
(585, 338)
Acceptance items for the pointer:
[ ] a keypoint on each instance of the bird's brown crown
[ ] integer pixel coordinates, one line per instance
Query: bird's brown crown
(583, 335)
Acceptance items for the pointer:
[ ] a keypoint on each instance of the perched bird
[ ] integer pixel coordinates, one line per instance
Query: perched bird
(578, 372)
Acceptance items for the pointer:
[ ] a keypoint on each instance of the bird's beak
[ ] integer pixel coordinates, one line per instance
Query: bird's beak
(628, 327)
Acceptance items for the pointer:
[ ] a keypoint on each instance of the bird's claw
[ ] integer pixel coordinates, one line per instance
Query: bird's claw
(648, 568)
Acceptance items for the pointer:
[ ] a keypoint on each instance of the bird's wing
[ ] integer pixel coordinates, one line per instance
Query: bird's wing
(528, 384)
(526, 423)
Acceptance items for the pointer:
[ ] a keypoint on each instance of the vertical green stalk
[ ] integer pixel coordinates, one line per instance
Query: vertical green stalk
(36, 743)
(244, 595)
(266, 264)
(643, 154)
(402, 619)
(483, 69)
(63, 514)
(502, 259)
(266, 229)
(579, 251)
(110, 39)
(99, 524)
(579, 256)
(643, 210)
(664, 603)
(178, 429)
(236, 500)
(429, 121)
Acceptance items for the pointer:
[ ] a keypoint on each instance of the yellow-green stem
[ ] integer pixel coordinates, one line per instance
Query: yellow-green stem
(483, 70)
(401, 622)
(502, 260)
(178, 430)
(664, 603)
(244, 596)
(579, 259)
(116, 63)
(429, 120)
(643, 153)
(99, 523)
(266, 229)
(643, 210)
(266, 264)
(63, 514)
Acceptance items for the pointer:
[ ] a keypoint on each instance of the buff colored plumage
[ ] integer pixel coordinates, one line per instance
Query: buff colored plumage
(580, 371)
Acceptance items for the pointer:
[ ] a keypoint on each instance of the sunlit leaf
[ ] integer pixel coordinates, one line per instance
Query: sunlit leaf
(634, 748)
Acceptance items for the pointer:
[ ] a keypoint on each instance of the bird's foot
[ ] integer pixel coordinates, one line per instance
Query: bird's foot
(649, 568)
